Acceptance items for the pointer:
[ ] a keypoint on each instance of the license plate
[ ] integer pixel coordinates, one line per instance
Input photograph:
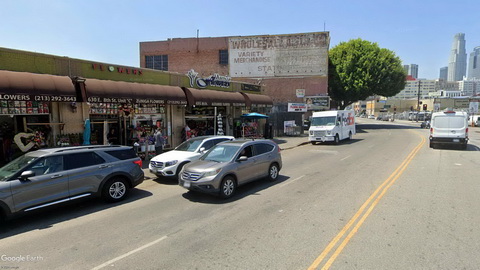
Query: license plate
(186, 184)
(456, 140)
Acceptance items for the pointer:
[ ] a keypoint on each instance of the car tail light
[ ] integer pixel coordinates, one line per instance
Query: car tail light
(431, 131)
(138, 162)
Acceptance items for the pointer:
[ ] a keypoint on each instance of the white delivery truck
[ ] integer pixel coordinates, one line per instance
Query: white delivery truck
(449, 127)
(331, 126)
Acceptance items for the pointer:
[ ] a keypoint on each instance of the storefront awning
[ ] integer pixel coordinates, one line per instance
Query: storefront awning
(127, 92)
(24, 86)
(253, 99)
(213, 98)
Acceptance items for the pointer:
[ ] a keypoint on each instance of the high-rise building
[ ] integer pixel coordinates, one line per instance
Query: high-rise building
(444, 73)
(457, 66)
(411, 70)
(474, 64)
(414, 70)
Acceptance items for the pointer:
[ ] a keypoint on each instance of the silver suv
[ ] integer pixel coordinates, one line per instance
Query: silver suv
(231, 164)
(51, 176)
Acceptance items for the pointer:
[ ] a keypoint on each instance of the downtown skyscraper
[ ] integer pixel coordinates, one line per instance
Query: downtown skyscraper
(474, 64)
(457, 65)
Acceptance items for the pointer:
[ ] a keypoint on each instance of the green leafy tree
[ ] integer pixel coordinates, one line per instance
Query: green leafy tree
(358, 69)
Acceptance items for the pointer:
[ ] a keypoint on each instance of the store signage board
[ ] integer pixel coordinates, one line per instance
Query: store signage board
(461, 103)
(297, 107)
(160, 102)
(473, 108)
(317, 102)
(50, 98)
(279, 55)
(251, 87)
(214, 80)
(123, 70)
(300, 93)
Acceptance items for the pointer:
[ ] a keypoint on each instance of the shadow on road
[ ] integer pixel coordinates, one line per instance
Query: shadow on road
(48, 217)
(363, 128)
(252, 188)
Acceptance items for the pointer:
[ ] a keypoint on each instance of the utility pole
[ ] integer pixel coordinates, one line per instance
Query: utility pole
(418, 99)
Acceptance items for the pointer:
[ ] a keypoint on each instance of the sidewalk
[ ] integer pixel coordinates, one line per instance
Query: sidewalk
(288, 142)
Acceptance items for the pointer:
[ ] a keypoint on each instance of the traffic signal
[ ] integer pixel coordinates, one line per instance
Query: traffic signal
(424, 107)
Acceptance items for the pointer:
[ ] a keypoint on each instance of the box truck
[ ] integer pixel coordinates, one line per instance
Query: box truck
(331, 126)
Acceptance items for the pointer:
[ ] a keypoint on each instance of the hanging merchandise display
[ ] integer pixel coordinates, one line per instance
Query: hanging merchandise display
(220, 125)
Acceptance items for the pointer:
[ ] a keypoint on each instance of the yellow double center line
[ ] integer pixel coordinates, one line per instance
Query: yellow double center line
(372, 201)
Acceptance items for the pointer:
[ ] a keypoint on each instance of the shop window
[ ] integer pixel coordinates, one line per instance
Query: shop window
(223, 57)
(159, 62)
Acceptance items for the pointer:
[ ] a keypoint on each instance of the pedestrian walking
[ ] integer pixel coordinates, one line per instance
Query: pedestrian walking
(159, 141)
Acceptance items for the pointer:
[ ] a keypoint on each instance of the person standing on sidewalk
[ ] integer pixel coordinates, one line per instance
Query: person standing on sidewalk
(159, 142)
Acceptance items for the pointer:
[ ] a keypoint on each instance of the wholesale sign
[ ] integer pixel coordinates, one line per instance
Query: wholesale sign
(281, 55)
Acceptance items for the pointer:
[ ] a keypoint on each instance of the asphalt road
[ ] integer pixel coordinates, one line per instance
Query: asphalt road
(384, 200)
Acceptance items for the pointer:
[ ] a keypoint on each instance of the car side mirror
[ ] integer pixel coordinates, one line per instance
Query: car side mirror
(26, 174)
(242, 158)
(202, 150)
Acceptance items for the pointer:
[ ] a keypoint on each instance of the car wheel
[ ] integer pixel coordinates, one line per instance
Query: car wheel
(350, 135)
(115, 190)
(273, 172)
(228, 187)
(313, 143)
(179, 169)
(337, 139)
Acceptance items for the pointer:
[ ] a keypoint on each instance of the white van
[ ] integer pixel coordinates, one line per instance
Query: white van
(332, 126)
(449, 127)
(474, 120)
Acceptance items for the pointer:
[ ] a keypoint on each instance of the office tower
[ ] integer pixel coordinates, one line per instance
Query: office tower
(474, 64)
(414, 70)
(457, 66)
(411, 70)
(444, 73)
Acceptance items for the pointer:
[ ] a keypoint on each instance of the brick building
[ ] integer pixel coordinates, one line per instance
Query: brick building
(281, 64)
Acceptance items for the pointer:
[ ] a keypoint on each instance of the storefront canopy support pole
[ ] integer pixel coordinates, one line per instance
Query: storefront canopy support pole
(215, 121)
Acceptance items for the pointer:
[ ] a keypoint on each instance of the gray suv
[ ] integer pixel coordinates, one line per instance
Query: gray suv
(228, 165)
(51, 176)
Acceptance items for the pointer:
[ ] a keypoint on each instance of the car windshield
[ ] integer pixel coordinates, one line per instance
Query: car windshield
(323, 121)
(14, 166)
(190, 145)
(221, 153)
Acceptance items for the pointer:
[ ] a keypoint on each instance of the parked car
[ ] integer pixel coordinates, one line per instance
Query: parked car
(51, 176)
(425, 124)
(371, 116)
(231, 164)
(171, 163)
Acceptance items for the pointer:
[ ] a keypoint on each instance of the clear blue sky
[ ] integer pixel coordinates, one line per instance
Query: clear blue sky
(418, 31)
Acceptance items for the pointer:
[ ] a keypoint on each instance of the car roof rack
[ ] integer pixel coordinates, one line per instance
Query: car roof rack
(86, 147)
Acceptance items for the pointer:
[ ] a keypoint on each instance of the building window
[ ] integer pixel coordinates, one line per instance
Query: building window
(159, 62)
(223, 57)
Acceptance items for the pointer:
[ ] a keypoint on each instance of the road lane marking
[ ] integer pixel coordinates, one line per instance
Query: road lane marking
(345, 158)
(130, 253)
(382, 190)
(289, 182)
